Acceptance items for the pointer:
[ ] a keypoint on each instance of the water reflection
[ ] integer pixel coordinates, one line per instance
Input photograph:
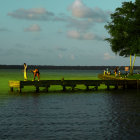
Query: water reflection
(100, 115)
(124, 114)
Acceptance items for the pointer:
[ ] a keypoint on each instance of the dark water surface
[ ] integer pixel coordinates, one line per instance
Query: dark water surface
(109, 115)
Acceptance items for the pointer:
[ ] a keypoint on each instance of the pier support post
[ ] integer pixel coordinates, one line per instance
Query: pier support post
(108, 87)
(87, 87)
(64, 88)
(37, 89)
(124, 86)
(116, 86)
(137, 84)
(73, 88)
(96, 88)
(11, 89)
(47, 88)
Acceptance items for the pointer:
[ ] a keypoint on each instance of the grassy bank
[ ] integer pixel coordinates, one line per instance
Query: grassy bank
(6, 75)
(127, 77)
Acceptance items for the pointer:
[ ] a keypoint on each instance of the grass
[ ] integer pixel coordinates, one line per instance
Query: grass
(6, 75)
(132, 77)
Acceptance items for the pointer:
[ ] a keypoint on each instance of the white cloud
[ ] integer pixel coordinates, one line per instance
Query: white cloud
(89, 36)
(32, 14)
(33, 28)
(81, 25)
(82, 35)
(74, 34)
(107, 56)
(80, 10)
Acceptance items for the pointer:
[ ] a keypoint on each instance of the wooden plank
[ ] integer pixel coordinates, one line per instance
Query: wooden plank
(14, 84)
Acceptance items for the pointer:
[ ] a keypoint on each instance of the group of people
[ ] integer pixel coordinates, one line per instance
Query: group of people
(107, 72)
(35, 73)
(116, 72)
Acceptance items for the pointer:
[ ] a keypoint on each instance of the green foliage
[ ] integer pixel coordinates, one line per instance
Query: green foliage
(128, 77)
(124, 29)
(134, 76)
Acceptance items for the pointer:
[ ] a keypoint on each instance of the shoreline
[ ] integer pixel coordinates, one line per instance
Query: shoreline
(51, 67)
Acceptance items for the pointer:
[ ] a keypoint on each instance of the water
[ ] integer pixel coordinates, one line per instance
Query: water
(102, 114)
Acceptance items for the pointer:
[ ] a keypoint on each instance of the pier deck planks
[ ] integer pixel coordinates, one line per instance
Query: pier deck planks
(74, 83)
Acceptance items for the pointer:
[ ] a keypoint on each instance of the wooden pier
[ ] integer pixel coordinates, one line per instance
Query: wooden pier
(73, 83)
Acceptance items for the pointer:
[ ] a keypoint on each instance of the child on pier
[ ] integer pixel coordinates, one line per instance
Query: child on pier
(36, 73)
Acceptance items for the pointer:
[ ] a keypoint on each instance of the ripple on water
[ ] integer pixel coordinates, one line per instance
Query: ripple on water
(75, 116)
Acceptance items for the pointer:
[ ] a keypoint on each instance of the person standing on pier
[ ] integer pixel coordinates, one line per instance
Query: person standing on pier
(25, 72)
(116, 71)
(36, 73)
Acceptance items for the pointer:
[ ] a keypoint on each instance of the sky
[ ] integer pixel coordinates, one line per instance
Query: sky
(57, 32)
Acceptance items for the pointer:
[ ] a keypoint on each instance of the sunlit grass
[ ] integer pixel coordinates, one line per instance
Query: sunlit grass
(132, 77)
(6, 75)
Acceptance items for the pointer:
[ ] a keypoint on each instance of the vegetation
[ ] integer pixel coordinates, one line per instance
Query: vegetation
(124, 30)
(134, 76)
(125, 76)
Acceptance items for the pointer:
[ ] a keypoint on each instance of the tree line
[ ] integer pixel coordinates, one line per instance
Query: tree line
(48, 67)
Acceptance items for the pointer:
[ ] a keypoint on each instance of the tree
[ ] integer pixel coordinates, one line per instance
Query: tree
(124, 30)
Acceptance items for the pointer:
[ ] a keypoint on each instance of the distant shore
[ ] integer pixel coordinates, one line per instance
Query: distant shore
(47, 67)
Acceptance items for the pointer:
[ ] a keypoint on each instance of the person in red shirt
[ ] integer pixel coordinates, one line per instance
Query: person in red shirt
(36, 73)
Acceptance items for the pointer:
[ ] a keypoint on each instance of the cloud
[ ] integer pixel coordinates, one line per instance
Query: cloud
(82, 35)
(89, 36)
(84, 18)
(32, 14)
(81, 25)
(4, 30)
(33, 28)
(74, 34)
(80, 10)
(107, 56)
(20, 52)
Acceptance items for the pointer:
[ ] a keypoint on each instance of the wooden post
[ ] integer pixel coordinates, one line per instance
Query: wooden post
(96, 87)
(116, 86)
(124, 86)
(47, 88)
(64, 88)
(11, 89)
(87, 87)
(73, 88)
(108, 87)
(137, 84)
(37, 89)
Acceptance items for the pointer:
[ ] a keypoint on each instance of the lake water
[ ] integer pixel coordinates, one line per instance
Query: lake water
(99, 115)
